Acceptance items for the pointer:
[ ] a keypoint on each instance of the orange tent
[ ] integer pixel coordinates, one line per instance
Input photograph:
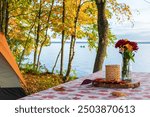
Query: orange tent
(10, 75)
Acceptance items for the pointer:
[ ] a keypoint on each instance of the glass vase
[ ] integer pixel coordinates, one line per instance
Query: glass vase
(126, 70)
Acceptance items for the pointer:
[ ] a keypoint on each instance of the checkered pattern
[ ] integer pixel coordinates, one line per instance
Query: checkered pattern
(74, 91)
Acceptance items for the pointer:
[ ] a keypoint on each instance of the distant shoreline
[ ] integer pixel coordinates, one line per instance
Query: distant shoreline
(139, 42)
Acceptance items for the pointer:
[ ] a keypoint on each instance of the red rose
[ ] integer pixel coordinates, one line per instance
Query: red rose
(134, 45)
(124, 42)
(121, 43)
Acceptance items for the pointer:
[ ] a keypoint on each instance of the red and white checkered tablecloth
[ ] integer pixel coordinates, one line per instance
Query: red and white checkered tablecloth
(75, 91)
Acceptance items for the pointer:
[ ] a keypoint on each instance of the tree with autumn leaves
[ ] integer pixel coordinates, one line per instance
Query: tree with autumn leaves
(102, 21)
(29, 25)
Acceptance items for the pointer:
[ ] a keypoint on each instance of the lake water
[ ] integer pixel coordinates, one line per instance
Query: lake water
(84, 58)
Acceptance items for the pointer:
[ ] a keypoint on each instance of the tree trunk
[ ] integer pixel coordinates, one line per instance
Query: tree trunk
(62, 41)
(3, 13)
(4, 16)
(103, 35)
(1, 3)
(71, 56)
(72, 44)
(56, 61)
(37, 37)
(42, 44)
(7, 19)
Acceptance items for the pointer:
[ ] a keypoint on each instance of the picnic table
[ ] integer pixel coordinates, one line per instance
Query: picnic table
(75, 91)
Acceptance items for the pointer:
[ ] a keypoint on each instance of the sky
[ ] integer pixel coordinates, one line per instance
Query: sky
(141, 28)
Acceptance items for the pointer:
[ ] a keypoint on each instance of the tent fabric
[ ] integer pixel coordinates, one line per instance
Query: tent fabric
(10, 75)
(11, 93)
(5, 51)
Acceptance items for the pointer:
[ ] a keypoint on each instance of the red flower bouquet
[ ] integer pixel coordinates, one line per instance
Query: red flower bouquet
(127, 49)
